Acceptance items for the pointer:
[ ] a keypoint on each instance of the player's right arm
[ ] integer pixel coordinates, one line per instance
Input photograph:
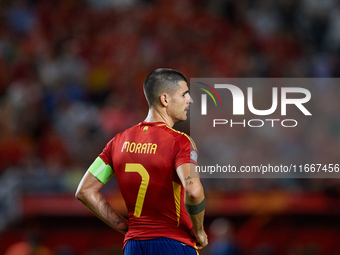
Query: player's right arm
(194, 201)
(88, 192)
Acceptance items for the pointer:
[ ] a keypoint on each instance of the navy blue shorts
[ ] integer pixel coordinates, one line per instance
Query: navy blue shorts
(158, 246)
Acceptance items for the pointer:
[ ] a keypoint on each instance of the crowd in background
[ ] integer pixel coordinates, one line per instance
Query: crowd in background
(71, 71)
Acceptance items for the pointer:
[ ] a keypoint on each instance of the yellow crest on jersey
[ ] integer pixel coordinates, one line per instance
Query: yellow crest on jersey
(145, 128)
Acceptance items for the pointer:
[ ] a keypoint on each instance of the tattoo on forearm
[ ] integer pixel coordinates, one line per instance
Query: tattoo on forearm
(100, 199)
(108, 209)
(106, 213)
(187, 182)
(105, 207)
(119, 221)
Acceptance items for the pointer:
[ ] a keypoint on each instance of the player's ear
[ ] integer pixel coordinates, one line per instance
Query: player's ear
(164, 99)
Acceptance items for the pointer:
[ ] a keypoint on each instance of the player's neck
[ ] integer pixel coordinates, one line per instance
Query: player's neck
(157, 115)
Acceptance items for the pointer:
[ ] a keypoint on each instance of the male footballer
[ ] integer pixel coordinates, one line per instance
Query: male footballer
(152, 161)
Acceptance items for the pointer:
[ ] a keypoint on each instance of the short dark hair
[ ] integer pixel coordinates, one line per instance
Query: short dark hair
(159, 81)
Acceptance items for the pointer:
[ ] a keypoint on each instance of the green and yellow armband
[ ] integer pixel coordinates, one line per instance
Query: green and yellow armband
(101, 170)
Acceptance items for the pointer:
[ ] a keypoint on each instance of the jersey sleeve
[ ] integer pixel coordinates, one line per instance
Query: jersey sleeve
(102, 167)
(187, 152)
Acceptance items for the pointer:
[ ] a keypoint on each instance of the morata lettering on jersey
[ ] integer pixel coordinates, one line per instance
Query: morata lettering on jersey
(145, 148)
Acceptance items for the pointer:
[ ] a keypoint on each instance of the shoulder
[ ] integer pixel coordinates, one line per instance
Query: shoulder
(181, 137)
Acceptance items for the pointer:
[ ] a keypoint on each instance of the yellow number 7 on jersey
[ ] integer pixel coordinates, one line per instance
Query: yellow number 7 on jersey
(138, 168)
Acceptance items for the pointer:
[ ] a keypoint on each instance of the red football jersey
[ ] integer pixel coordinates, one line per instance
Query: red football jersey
(144, 159)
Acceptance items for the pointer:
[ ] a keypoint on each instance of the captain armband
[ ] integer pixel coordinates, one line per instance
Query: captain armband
(101, 170)
(195, 209)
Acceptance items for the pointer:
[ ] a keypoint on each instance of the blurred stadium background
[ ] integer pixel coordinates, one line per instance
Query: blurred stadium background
(71, 75)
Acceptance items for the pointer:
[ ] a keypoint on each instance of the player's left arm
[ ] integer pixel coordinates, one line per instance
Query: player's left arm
(89, 194)
(194, 201)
